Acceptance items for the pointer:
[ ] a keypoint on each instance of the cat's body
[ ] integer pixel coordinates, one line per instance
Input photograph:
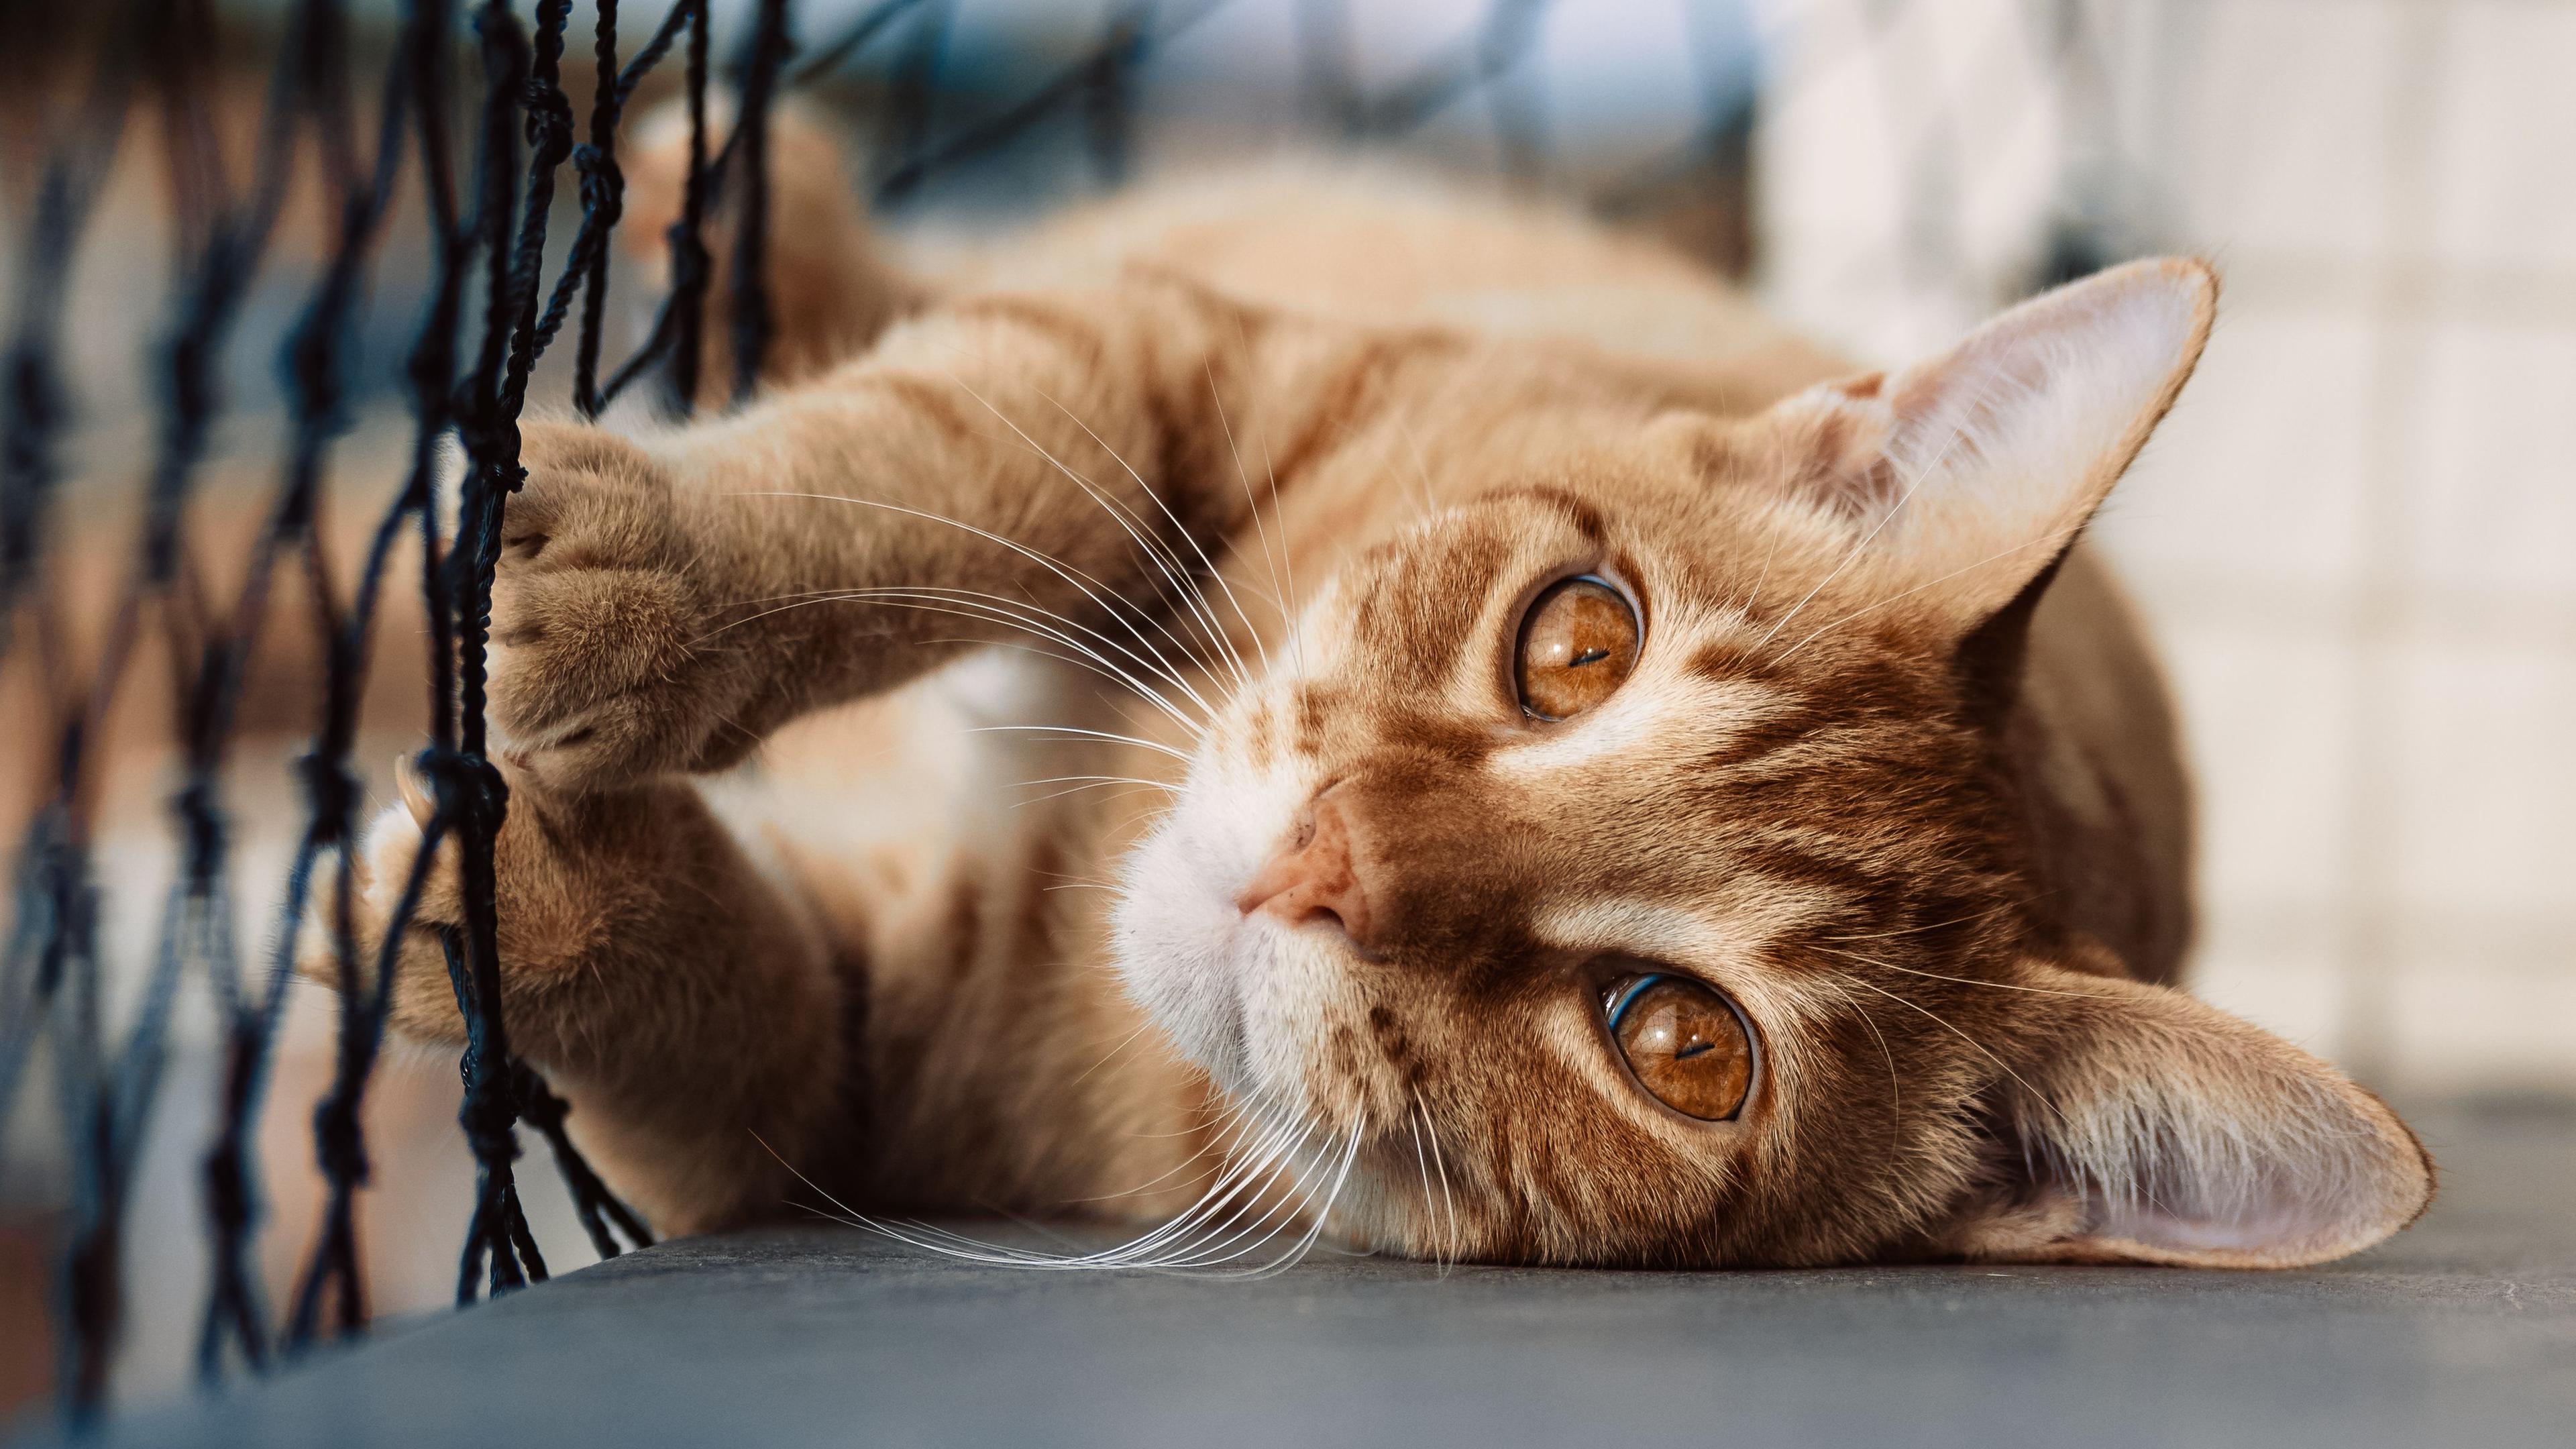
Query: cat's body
(945, 945)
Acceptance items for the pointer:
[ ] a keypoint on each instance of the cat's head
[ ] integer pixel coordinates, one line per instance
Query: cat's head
(1623, 866)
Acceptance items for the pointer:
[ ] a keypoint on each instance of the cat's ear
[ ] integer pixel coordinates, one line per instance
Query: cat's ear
(1969, 474)
(2140, 1125)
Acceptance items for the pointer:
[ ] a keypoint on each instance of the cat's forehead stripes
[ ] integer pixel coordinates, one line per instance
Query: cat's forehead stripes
(1433, 609)
(1408, 607)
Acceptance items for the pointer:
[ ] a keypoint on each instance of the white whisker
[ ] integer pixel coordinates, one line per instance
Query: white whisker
(1895, 1098)
(1422, 1166)
(1085, 734)
(1279, 599)
(1287, 563)
(1919, 930)
(1196, 596)
(1963, 1036)
(1422, 472)
(1323, 1215)
(984, 607)
(1075, 577)
(1967, 980)
(1432, 1130)
(1093, 492)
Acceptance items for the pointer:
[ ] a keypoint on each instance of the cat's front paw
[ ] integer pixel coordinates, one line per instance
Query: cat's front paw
(559, 863)
(607, 661)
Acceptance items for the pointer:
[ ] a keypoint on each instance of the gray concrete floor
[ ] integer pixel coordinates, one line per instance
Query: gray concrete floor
(2460, 1332)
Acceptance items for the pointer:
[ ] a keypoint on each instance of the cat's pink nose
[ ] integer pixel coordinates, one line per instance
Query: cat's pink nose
(1313, 878)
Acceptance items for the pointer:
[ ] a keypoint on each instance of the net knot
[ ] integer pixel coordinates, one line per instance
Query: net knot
(539, 1107)
(490, 442)
(203, 821)
(603, 184)
(339, 1144)
(331, 789)
(549, 126)
(462, 781)
(228, 1189)
(489, 1116)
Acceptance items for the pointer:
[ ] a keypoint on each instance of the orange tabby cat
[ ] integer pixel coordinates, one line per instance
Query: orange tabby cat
(1306, 705)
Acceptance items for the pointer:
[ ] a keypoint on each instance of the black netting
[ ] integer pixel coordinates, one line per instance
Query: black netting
(470, 122)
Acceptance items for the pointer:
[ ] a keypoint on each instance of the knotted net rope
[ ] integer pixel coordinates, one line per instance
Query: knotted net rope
(468, 377)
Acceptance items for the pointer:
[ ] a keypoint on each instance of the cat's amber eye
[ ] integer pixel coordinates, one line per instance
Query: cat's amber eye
(1578, 642)
(1683, 1043)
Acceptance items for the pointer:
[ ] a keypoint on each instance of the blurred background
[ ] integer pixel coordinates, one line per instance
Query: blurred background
(2352, 538)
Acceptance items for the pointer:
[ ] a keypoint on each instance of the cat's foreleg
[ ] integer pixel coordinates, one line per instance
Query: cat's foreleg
(1004, 469)
(680, 999)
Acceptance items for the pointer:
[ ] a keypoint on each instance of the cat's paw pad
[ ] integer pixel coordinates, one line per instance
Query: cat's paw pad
(604, 664)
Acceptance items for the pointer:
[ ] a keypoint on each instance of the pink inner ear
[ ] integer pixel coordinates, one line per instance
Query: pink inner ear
(2285, 1165)
(2155, 1128)
(1969, 472)
(2165, 1130)
(2277, 1219)
(1847, 467)
(2237, 1201)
